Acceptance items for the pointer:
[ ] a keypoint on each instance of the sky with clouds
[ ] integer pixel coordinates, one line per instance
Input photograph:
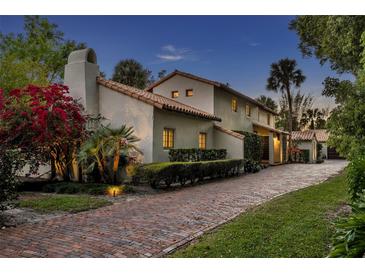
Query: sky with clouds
(231, 49)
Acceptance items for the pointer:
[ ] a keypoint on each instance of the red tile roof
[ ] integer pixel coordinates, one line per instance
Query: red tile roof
(229, 132)
(321, 134)
(306, 135)
(156, 100)
(269, 128)
(210, 82)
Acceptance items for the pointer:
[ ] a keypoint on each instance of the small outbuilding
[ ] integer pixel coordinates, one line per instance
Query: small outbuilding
(306, 140)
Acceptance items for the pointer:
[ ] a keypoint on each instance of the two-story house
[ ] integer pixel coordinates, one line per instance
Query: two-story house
(179, 111)
(238, 112)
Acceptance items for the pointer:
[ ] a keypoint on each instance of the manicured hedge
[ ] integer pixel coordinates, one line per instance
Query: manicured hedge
(305, 155)
(253, 147)
(196, 155)
(168, 173)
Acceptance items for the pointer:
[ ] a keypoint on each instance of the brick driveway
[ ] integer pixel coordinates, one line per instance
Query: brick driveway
(155, 224)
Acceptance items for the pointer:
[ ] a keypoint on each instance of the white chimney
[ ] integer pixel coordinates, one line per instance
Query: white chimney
(80, 76)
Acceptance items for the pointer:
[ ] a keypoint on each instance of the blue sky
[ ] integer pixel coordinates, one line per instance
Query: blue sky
(233, 49)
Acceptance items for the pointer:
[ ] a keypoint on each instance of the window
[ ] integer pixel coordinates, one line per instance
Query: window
(268, 119)
(189, 93)
(248, 110)
(202, 140)
(174, 94)
(234, 104)
(168, 137)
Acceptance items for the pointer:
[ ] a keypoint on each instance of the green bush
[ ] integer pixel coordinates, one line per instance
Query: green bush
(253, 147)
(356, 177)
(252, 166)
(168, 173)
(196, 155)
(349, 239)
(319, 151)
(305, 155)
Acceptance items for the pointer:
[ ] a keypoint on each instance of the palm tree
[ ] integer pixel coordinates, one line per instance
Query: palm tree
(268, 102)
(284, 75)
(313, 119)
(108, 143)
(130, 72)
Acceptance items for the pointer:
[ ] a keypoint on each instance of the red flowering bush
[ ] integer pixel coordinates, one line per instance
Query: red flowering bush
(39, 120)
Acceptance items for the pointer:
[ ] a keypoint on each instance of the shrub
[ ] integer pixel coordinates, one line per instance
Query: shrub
(356, 176)
(319, 151)
(10, 162)
(195, 155)
(182, 172)
(81, 188)
(349, 239)
(252, 166)
(253, 147)
(305, 155)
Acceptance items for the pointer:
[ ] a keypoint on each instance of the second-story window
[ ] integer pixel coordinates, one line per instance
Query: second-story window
(189, 93)
(234, 104)
(268, 119)
(174, 94)
(248, 110)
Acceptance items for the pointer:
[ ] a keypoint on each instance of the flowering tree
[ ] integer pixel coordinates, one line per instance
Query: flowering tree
(41, 122)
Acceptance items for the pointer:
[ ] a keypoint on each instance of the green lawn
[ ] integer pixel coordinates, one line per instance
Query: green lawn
(297, 224)
(67, 203)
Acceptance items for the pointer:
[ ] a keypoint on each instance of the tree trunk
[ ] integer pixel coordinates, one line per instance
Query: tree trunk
(290, 122)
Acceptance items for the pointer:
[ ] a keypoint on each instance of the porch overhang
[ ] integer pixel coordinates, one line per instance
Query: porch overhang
(270, 128)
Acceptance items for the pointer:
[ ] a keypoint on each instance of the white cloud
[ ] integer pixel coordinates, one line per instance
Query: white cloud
(170, 53)
(254, 44)
(170, 57)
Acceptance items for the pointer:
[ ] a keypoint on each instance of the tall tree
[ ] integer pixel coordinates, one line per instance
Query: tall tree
(301, 103)
(284, 76)
(333, 39)
(40, 52)
(130, 72)
(162, 73)
(313, 119)
(268, 102)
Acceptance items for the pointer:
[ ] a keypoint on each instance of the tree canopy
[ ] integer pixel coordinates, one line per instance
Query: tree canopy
(268, 102)
(132, 73)
(333, 39)
(35, 56)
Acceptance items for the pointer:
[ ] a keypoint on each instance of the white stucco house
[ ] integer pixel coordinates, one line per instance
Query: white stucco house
(306, 140)
(179, 111)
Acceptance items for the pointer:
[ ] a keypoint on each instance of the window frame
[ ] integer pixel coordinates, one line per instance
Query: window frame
(248, 107)
(200, 141)
(168, 138)
(175, 92)
(234, 104)
(187, 92)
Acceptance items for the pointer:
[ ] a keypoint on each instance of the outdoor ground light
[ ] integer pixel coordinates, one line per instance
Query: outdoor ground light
(115, 191)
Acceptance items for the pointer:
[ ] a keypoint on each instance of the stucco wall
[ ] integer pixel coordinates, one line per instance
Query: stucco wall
(234, 146)
(202, 93)
(311, 146)
(121, 109)
(186, 128)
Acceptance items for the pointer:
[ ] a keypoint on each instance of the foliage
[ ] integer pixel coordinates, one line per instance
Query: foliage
(319, 151)
(195, 155)
(252, 147)
(107, 150)
(268, 102)
(10, 162)
(333, 39)
(284, 76)
(349, 240)
(294, 225)
(337, 89)
(313, 119)
(301, 103)
(72, 204)
(356, 177)
(251, 166)
(40, 54)
(39, 121)
(168, 173)
(305, 155)
(130, 72)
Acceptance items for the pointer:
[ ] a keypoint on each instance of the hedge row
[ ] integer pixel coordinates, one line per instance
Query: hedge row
(168, 173)
(195, 155)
